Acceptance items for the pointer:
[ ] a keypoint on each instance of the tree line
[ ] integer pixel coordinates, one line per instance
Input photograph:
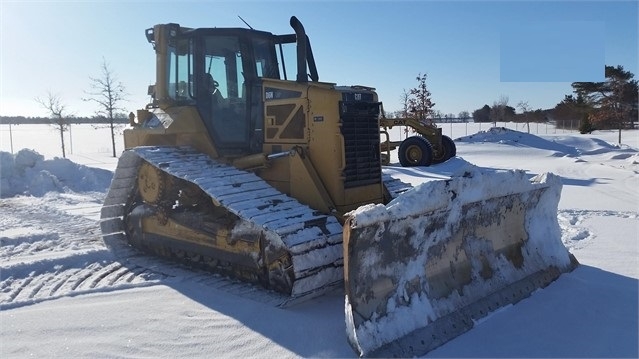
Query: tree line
(95, 120)
(611, 104)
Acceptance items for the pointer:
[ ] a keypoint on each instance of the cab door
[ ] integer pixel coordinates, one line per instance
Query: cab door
(222, 98)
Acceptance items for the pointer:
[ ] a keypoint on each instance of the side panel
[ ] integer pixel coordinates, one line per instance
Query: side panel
(285, 122)
(326, 142)
(341, 142)
(285, 126)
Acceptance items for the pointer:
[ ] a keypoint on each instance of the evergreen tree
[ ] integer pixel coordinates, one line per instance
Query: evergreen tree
(571, 109)
(585, 126)
(420, 105)
(482, 114)
(614, 101)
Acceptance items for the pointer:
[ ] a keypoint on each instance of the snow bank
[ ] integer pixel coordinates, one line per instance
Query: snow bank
(28, 173)
(561, 146)
(506, 136)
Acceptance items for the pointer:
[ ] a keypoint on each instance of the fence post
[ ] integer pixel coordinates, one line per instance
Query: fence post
(70, 140)
(451, 127)
(11, 137)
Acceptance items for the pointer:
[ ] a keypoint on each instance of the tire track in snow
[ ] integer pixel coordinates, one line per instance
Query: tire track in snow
(48, 254)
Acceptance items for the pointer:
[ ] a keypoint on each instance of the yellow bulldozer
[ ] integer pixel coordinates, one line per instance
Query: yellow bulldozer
(246, 164)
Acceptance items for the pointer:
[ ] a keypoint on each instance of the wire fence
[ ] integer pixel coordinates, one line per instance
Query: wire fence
(45, 139)
(85, 138)
(457, 129)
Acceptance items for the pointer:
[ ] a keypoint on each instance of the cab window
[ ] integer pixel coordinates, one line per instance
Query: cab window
(264, 65)
(180, 71)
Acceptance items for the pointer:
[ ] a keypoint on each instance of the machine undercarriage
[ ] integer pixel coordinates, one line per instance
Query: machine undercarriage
(224, 219)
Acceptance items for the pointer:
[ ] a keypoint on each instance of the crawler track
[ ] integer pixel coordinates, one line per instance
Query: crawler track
(312, 239)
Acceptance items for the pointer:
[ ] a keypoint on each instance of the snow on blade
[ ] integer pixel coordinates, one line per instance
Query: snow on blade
(422, 268)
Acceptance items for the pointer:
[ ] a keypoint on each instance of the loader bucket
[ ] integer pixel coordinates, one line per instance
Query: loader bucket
(422, 269)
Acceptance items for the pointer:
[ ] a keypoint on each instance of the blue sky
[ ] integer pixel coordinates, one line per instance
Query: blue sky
(474, 52)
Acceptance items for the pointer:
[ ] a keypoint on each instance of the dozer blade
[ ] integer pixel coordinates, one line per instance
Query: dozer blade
(422, 269)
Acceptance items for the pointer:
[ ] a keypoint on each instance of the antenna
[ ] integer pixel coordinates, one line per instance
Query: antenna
(245, 22)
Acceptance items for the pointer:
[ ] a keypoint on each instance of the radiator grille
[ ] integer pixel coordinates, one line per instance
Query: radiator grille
(360, 129)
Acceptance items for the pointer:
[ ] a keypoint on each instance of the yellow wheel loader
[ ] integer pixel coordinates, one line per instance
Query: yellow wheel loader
(246, 164)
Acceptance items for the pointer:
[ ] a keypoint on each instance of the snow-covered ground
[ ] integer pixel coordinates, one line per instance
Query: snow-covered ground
(64, 294)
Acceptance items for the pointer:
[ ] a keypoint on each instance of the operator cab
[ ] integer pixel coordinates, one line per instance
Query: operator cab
(220, 71)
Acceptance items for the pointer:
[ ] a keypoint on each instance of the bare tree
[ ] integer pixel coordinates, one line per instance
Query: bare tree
(438, 116)
(57, 112)
(108, 94)
(464, 116)
(405, 101)
(498, 111)
(525, 110)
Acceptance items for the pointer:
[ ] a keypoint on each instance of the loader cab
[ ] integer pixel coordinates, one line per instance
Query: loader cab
(220, 71)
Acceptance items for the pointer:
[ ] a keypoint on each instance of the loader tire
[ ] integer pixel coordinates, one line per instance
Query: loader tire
(415, 151)
(449, 150)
